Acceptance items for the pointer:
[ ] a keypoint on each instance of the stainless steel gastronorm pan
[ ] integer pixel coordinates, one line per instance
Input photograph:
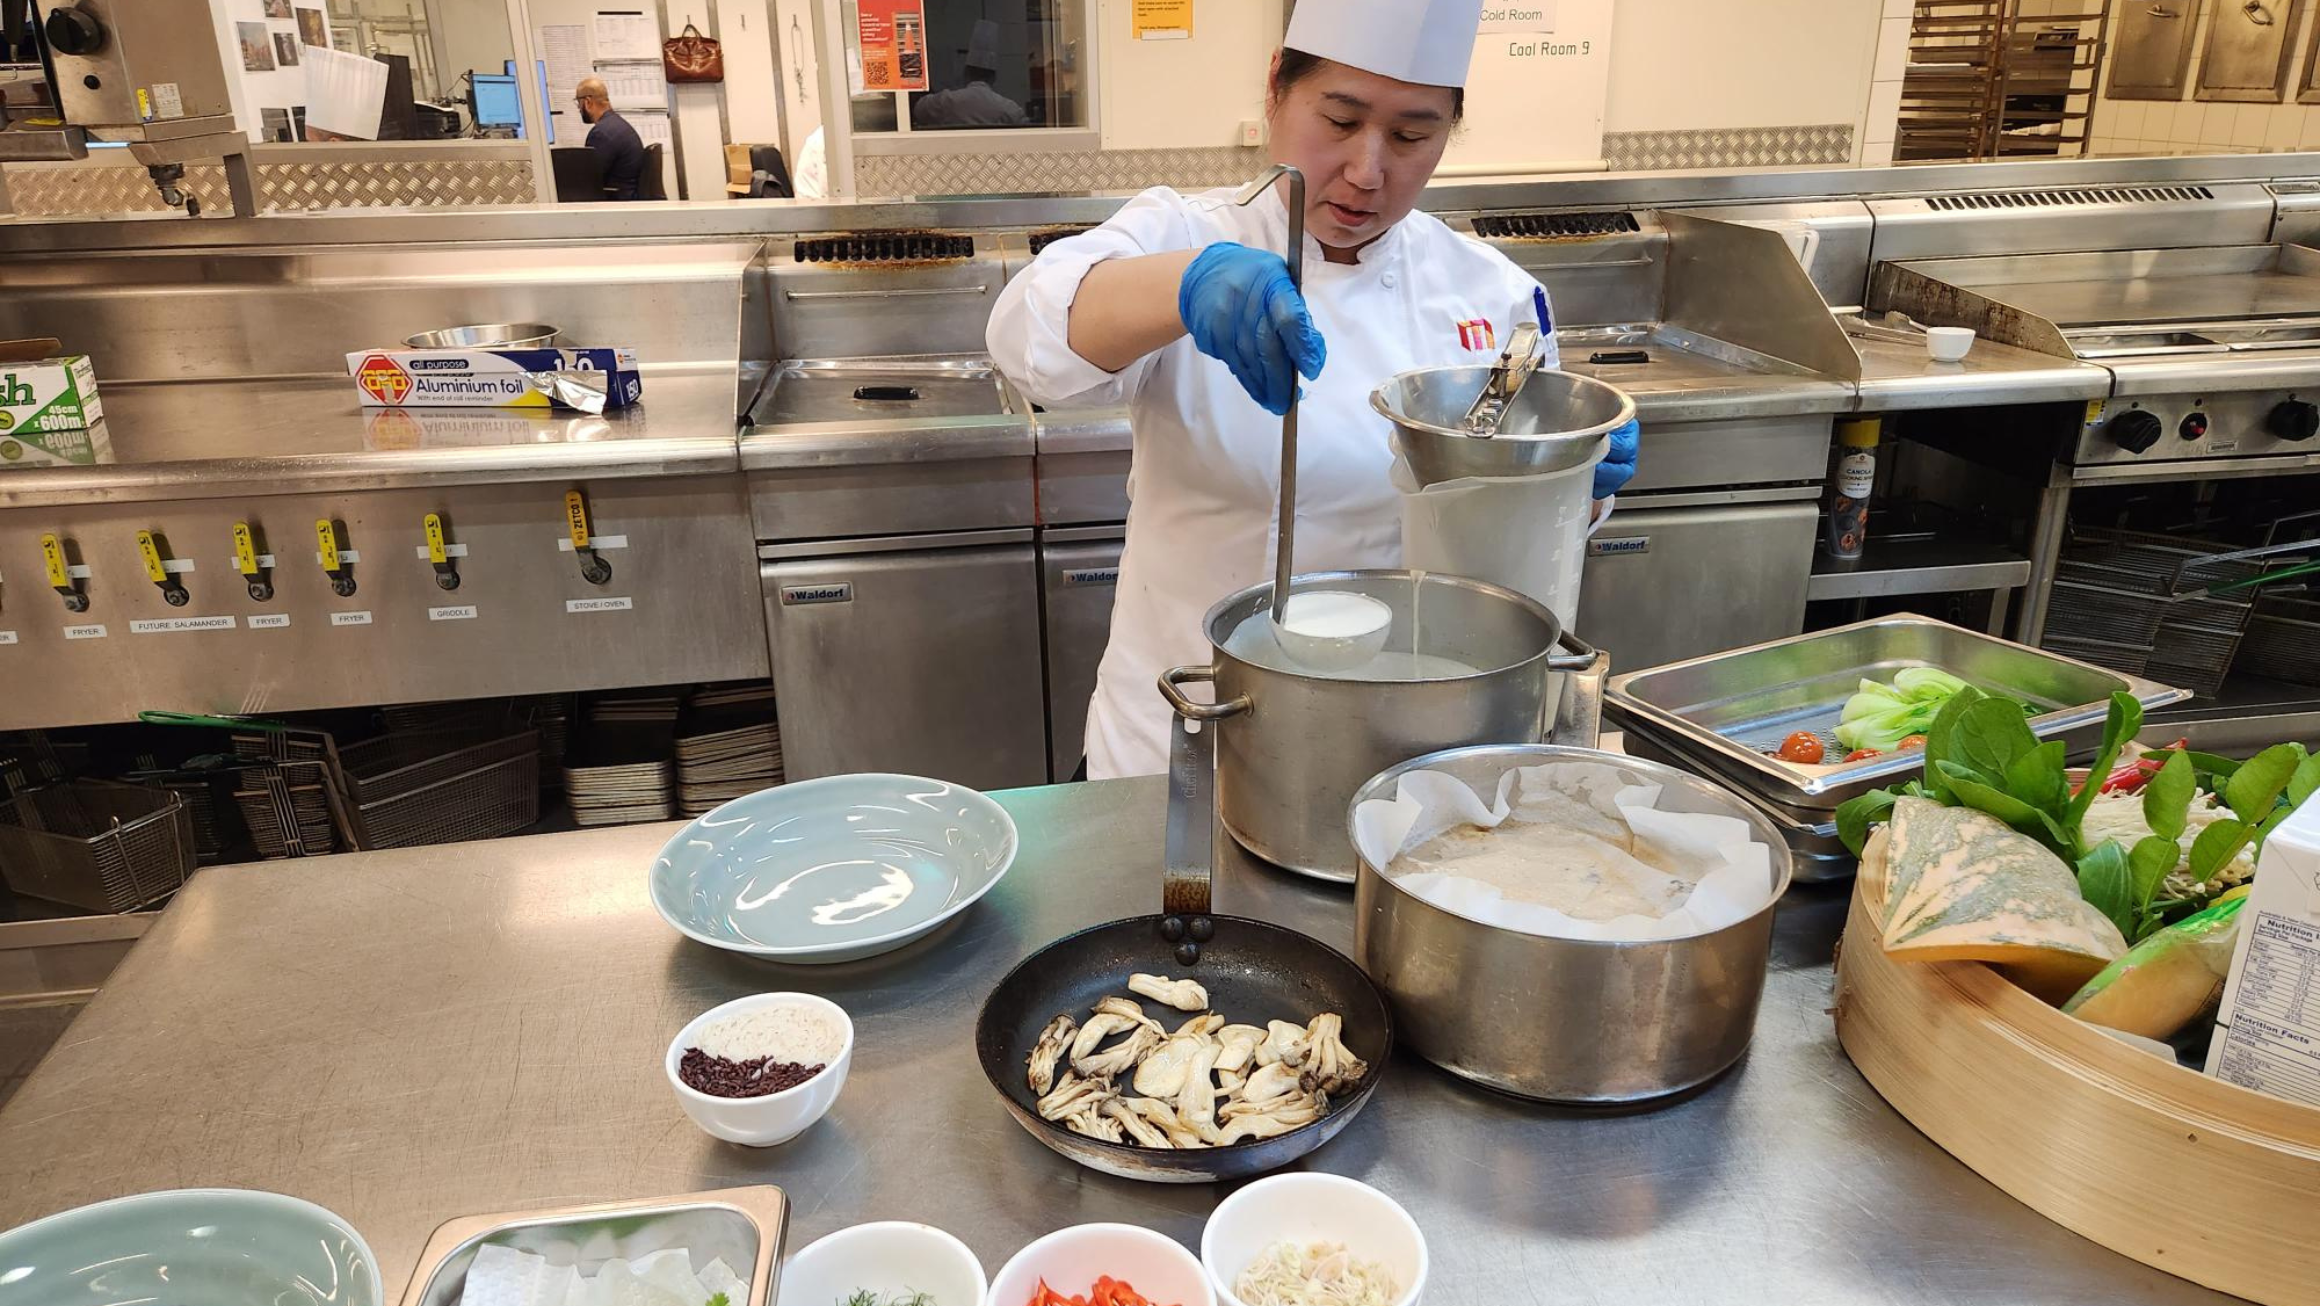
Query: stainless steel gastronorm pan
(741, 1226)
(1730, 710)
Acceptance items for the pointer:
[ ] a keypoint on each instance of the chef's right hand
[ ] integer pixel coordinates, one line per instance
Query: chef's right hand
(1241, 309)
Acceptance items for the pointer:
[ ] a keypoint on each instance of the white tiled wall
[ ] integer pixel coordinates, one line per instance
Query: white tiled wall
(2188, 126)
(1883, 114)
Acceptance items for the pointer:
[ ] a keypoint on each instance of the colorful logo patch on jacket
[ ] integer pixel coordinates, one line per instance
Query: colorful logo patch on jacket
(1475, 333)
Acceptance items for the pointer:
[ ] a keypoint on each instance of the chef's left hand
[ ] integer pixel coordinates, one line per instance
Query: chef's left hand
(1618, 466)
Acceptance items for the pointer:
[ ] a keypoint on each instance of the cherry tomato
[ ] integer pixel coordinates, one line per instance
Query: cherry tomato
(1913, 741)
(1863, 754)
(1803, 746)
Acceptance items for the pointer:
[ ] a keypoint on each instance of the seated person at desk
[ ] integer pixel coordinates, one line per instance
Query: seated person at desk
(611, 137)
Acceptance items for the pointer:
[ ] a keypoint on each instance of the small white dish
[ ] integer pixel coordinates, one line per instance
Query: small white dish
(1071, 1260)
(835, 869)
(1948, 344)
(886, 1258)
(775, 1117)
(1310, 1207)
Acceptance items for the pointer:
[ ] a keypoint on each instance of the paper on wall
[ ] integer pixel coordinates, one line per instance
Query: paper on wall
(345, 93)
(627, 34)
(1575, 850)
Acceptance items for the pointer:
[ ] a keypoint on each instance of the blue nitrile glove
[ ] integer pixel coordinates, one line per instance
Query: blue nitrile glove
(1241, 310)
(1618, 466)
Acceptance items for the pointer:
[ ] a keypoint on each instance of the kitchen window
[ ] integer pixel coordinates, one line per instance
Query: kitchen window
(920, 72)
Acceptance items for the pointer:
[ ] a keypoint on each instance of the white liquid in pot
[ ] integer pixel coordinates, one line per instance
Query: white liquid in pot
(1252, 641)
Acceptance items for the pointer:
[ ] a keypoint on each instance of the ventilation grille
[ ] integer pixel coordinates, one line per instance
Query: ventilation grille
(1042, 239)
(1554, 226)
(2047, 199)
(886, 247)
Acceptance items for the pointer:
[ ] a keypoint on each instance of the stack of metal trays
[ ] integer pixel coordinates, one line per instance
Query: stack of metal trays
(1724, 715)
(621, 768)
(728, 744)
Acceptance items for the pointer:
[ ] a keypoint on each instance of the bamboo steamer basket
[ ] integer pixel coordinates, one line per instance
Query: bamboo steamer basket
(2206, 1180)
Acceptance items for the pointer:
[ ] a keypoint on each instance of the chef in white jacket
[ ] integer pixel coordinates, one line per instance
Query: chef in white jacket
(1181, 307)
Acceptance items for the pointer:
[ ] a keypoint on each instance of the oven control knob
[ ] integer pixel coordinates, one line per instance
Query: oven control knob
(2135, 430)
(2294, 420)
(2194, 427)
(75, 31)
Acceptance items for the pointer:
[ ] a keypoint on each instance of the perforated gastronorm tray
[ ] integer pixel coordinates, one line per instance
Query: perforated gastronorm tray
(1734, 708)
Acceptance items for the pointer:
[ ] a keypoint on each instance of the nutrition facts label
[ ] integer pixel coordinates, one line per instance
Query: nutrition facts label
(2273, 1042)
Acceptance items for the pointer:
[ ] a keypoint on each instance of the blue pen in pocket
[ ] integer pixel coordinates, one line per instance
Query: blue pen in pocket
(1546, 318)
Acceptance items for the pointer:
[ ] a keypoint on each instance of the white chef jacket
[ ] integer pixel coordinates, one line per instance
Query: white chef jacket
(1204, 483)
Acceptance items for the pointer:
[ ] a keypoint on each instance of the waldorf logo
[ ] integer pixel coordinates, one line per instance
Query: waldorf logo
(834, 592)
(383, 380)
(1621, 544)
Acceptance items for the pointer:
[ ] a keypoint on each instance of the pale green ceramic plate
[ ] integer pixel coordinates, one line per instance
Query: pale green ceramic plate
(190, 1247)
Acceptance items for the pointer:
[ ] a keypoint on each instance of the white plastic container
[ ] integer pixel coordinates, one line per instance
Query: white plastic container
(1071, 1260)
(1311, 1207)
(1948, 344)
(1527, 533)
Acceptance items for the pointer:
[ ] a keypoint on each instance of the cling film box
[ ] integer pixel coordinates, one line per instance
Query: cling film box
(485, 378)
(54, 394)
(85, 447)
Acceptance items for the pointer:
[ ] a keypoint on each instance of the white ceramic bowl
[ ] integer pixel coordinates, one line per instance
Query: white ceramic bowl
(1354, 632)
(887, 1258)
(775, 1117)
(1948, 344)
(835, 869)
(1307, 1207)
(1071, 1260)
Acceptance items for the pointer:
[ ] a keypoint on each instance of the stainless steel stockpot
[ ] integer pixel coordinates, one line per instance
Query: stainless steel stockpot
(1291, 748)
(1565, 1020)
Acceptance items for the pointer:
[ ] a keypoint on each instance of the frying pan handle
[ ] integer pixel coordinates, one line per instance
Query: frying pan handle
(1185, 880)
(1189, 710)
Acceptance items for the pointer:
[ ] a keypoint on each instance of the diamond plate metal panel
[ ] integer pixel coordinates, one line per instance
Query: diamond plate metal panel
(1061, 170)
(60, 190)
(1729, 147)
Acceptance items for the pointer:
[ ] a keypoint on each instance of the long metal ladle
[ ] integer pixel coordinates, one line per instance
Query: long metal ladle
(1282, 554)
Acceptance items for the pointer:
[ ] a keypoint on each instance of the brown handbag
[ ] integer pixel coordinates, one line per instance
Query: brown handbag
(692, 57)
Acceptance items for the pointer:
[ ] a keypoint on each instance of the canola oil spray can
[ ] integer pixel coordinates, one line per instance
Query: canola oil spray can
(1851, 480)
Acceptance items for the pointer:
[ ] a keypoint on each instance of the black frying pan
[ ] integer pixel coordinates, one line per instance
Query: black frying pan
(1254, 972)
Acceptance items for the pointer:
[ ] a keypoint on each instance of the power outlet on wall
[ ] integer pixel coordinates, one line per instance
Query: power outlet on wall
(1252, 133)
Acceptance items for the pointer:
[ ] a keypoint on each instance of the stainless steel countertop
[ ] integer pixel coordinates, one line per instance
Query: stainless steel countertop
(409, 1036)
(1897, 377)
(207, 439)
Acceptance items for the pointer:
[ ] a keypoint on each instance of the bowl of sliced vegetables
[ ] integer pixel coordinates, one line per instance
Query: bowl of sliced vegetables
(887, 1263)
(1102, 1265)
(1312, 1239)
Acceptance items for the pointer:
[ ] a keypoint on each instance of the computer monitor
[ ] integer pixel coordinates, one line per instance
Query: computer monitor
(491, 100)
(547, 105)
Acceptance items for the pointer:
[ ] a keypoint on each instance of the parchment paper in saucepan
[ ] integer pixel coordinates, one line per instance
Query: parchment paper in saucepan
(1575, 850)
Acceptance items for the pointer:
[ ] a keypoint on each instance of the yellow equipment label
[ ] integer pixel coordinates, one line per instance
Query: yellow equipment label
(432, 524)
(245, 550)
(154, 571)
(2094, 412)
(576, 518)
(326, 536)
(52, 558)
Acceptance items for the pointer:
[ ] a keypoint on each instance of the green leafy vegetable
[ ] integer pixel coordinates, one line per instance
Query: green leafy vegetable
(1881, 716)
(720, 1299)
(2148, 865)
(2305, 782)
(1855, 816)
(2256, 786)
(2122, 723)
(2217, 845)
(2106, 881)
(2039, 777)
(1990, 735)
(1940, 743)
(2167, 798)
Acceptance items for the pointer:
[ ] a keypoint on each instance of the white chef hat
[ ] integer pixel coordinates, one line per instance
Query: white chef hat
(1429, 42)
(983, 45)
